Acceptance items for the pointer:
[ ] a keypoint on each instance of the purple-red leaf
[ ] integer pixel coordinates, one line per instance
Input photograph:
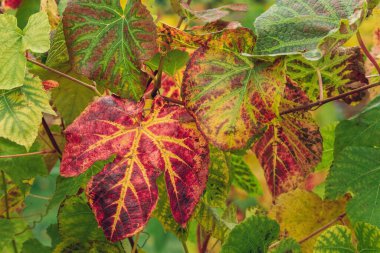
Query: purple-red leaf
(124, 194)
(291, 146)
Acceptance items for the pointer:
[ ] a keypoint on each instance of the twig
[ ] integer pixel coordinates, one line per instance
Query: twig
(173, 100)
(325, 101)
(65, 75)
(184, 246)
(157, 85)
(51, 137)
(28, 154)
(131, 242)
(308, 237)
(322, 228)
(7, 206)
(135, 244)
(366, 52)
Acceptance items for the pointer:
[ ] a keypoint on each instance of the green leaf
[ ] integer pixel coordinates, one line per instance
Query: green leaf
(21, 111)
(14, 42)
(230, 95)
(341, 70)
(89, 246)
(164, 215)
(368, 237)
(290, 208)
(242, 175)
(33, 245)
(254, 235)
(218, 183)
(109, 45)
(210, 221)
(355, 168)
(76, 221)
(307, 26)
(69, 186)
(21, 169)
(336, 239)
(37, 33)
(69, 97)
(328, 136)
(7, 231)
(287, 245)
(173, 61)
(25, 10)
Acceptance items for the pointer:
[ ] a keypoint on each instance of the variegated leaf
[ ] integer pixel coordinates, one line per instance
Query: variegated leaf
(291, 146)
(232, 96)
(109, 43)
(124, 194)
(341, 70)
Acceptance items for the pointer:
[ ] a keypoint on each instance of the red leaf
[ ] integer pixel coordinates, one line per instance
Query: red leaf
(14, 4)
(291, 146)
(124, 194)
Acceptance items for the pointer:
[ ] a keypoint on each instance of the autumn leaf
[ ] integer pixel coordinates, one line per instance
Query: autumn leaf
(109, 44)
(291, 146)
(232, 96)
(124, 194)
(290, 209)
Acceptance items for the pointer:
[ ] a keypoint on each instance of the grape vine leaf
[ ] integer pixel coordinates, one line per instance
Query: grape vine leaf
(252, 235)
(355, 168)
(219, 180)
(242, 175)
(290, 209)
(89, 246)
(21, 111)
(307, 26)
(109, 44)
(14, 42)
(211, 221)
(174, 60)
(124, 194)
(72, 214)
(7, 232)
(288, 245)
(69, 98)
(212, 15)
(291, 146)
(341, 70)
(338, 239)
(164, 214)
(70, 186)
(34, 245)
(231, 96)
(21, 169)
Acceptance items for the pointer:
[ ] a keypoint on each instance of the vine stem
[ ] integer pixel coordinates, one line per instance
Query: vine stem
(134, 248)
(184, 246)
(91, 87)
(325, 101)
(320, 84)
(366, 51)
(308, 237)
(43, 152)
(7, 206)
(51, 137)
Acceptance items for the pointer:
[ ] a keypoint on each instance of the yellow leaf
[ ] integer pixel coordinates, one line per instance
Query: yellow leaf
(300, 213)
(51, 8)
